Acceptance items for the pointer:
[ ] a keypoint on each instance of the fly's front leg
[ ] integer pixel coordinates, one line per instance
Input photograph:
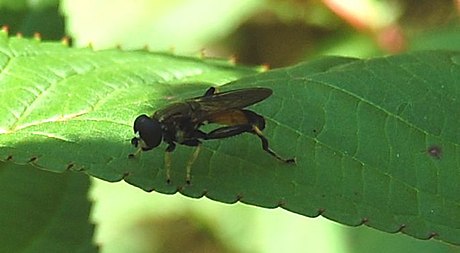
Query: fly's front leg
(136, 143)
(135, 154)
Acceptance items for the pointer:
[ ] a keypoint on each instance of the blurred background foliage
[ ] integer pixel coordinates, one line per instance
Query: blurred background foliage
(272, 32)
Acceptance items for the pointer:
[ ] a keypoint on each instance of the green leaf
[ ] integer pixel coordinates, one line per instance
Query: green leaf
(43, 211)
(444, 37)
(376, 141)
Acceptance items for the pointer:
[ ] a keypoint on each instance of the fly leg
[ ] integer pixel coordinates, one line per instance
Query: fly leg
(135, 154)
(136, 143)
(167, 161)
(190, 162)
(229, 131)
(193, 142)
(265, 146)
(255, 124)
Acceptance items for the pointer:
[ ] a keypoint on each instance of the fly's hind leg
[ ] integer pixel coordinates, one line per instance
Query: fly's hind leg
(229, 131)
(265, 146)
(255, 124)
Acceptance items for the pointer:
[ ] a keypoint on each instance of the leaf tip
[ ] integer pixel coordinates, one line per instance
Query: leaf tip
(432, 235)
(264, 67)
(146, 48)
(125, 175)
(233, 59)
(281, 203)
(202, 53)
(66, 41)
(90, 45)
(364, 220)
(70, 166)
(37, 36)
(401, 228)
(33, 159)
(5, 29)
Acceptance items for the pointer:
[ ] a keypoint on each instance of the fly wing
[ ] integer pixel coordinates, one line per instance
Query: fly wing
(206, 107)
(234, 99)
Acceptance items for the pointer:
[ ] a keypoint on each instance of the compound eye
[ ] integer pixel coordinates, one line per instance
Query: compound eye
(149, 130)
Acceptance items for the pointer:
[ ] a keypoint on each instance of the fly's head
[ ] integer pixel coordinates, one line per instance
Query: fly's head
(150, 133)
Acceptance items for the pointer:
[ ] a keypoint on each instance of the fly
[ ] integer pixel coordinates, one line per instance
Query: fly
(179, 123)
